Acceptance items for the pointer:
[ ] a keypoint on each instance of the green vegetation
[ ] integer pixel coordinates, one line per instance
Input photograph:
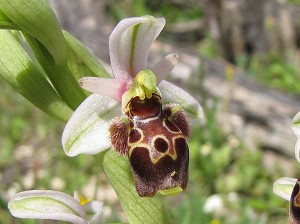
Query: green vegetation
(273, 71)
(293, 2)
(172, 11)
(220, 164)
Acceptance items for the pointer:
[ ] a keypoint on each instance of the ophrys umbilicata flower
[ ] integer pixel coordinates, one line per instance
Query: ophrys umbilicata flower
(137, 112)
(289, 188)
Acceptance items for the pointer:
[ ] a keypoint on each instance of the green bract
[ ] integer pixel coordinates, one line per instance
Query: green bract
(6, 23)
(81, 61)
(37, 23)
(37, 19)
(60, 75)
(63, 58)
(18, 70)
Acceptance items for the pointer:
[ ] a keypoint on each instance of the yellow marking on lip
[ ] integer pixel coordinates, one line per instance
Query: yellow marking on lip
(83, 200)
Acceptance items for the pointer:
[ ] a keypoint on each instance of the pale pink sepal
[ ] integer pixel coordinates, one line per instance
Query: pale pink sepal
(164, 66)
(113, 88)
(174, 94)
(284, 186)
(87, 130)
(46, 204)
(130, 42)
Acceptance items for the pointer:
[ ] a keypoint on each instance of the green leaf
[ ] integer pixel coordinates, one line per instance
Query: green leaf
(60, 76)
(38, 19)
(6, 23)
(138, 209)
(19, 71)
(81, 61)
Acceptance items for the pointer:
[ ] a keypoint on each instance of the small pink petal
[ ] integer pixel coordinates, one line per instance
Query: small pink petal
(130, 42)
(164, 66)
(113, 88)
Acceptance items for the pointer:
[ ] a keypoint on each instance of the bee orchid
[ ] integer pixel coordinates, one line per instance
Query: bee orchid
(289, 189)
(137, 112)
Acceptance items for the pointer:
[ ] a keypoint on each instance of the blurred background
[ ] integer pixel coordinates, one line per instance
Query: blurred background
(239, 58)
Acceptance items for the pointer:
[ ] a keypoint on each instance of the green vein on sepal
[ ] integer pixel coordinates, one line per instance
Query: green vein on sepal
(133, 43)
(19, 71)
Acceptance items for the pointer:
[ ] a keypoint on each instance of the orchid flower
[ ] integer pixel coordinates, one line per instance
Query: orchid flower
(289, 189)
(54, 205)
(87, 131)
(136, 112)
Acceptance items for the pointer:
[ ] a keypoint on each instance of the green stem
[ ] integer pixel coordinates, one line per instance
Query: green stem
(138, 209)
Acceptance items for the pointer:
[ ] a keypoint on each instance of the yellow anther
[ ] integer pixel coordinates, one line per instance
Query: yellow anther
(83, 200)
(215, 221)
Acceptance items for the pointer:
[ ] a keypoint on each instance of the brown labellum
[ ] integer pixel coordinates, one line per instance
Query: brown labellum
(294, 216)
(156, 145)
